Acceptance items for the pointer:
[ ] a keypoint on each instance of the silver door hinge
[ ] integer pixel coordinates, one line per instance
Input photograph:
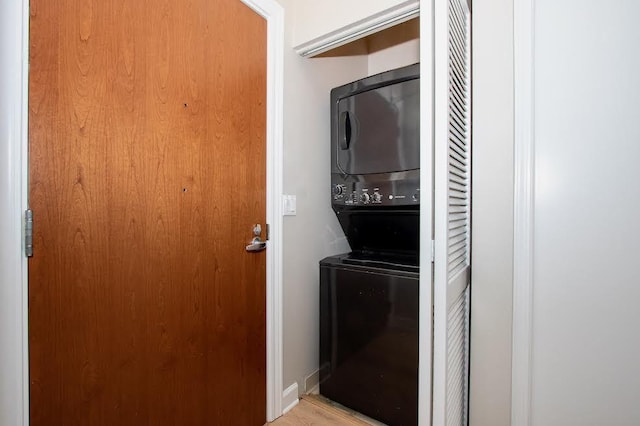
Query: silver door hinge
(28, 233)
(433, 251)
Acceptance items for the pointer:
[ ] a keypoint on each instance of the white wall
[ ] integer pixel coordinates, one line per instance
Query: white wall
(394, 48)
(586, 343)
(492, 214)
(11, 290)
(314, 232)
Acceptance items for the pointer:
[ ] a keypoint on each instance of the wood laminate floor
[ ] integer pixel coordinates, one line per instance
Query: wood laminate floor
(314, 410)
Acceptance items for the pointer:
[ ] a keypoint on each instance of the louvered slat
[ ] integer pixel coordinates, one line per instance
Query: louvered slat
(456, 239)
(458, 119)
(457, 354)
(455, 72)
(458, 128)
(457, 188)
(456, 142)
(454, 95)
(461, 128)
(461, 161)
(458, 177)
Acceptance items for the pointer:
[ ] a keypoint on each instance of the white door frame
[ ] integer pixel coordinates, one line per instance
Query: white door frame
(14, 360)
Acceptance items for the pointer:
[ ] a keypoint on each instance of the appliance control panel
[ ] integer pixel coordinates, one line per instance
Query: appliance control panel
(390, 193)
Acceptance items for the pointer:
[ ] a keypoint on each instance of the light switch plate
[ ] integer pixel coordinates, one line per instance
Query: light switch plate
(288, 205)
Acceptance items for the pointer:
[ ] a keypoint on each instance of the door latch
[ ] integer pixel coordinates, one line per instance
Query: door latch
(256, 243)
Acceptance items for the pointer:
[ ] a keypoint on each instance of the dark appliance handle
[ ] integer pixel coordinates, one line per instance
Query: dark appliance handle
(345, 129)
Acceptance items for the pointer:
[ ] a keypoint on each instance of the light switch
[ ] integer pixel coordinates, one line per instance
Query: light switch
(289, 205)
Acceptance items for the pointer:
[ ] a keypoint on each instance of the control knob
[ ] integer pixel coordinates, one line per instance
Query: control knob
(338, 190)
(377, 198)
(365, 198)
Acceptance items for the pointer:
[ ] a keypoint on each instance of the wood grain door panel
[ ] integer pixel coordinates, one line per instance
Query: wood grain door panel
(147, 173)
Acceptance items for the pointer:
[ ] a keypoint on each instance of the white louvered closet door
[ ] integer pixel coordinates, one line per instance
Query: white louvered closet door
(452, 207)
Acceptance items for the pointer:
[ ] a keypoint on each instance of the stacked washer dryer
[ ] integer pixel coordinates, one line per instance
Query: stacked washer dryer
(369, 297)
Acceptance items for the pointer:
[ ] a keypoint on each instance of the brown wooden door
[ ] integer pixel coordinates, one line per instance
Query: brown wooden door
(147, 173)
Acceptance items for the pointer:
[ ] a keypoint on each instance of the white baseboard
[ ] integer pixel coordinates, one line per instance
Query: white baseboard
(290, 397)
(312, 383)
